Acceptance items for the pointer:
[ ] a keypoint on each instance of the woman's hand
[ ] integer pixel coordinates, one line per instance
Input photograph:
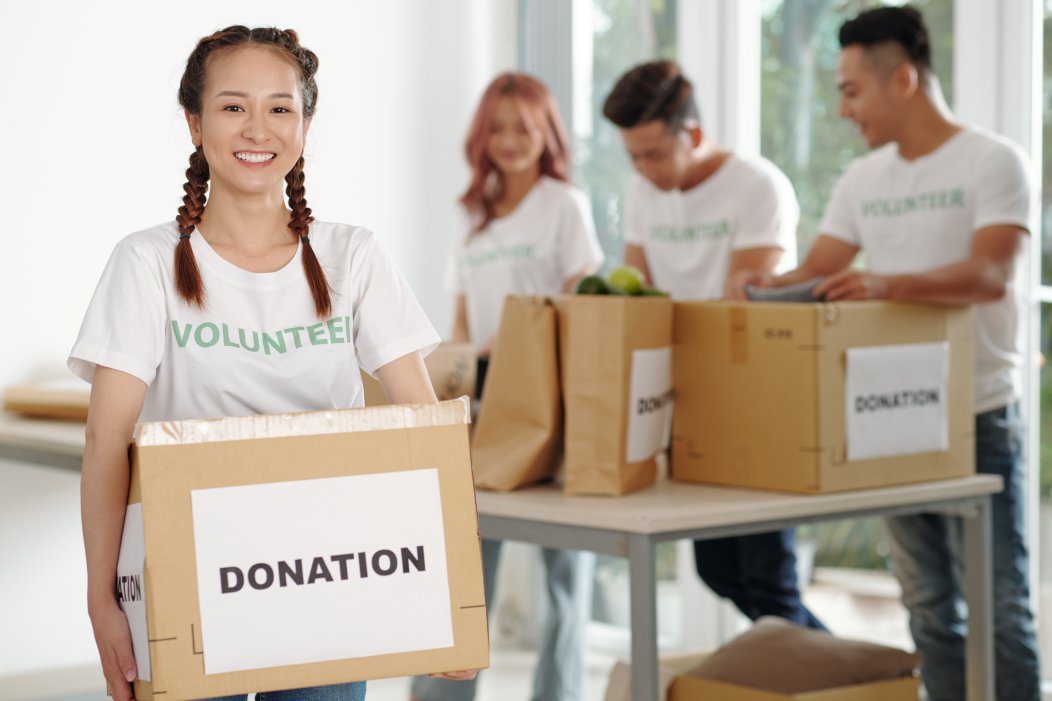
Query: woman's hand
(456, 676)
(113, 638)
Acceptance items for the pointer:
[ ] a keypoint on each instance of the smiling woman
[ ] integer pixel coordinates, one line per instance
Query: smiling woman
(227, 311)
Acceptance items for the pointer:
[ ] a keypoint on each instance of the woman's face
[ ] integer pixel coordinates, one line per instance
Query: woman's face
(251, 125)
(514, 145)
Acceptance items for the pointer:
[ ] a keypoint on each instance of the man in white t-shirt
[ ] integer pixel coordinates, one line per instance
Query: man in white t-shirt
(942, 212)
(697, 215)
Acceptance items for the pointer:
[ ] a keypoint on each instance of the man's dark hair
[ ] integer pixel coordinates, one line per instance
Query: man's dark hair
(655, 90)
(899, 25)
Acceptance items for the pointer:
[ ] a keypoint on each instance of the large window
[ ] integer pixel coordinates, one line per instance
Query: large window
(801, 130)
(623, 33)
(1045, 387)
(803, 134)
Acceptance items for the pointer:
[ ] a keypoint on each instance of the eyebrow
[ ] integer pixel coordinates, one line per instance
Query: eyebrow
(235, 93)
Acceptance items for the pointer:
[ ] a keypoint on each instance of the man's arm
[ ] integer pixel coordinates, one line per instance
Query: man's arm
(762, 260)
(828, 255)
(983, 277)
(635, 255)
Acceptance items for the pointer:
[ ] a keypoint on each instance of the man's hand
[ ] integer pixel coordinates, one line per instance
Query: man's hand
(851, 284)
(737, 282)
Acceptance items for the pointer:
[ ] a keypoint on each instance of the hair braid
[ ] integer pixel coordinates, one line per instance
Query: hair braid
(191, 88)
(299, 224)
(187, 276)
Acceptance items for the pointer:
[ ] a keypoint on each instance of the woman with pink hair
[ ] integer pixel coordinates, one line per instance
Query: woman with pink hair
(528, 231)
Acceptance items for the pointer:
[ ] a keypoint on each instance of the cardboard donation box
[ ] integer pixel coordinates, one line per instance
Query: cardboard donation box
(817, 398)
(776, 660)
(451, 367)
(688, 688)
(283, 551)
(617, 390)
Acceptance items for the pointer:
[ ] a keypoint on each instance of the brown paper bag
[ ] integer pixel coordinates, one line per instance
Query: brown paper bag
(451, 367)
(617, 390)
(517, 432)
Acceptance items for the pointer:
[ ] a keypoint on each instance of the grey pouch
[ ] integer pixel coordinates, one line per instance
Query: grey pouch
(800, 292)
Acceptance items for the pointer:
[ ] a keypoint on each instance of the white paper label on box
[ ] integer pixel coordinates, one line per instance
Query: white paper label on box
(897, 400)
(322, 569)
(649, 403)
(131, 586)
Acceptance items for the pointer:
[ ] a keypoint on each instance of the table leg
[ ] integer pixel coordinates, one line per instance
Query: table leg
(643, 595)
(978, 587)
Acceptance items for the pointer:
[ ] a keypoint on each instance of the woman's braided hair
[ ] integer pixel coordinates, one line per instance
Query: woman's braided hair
(285, 41)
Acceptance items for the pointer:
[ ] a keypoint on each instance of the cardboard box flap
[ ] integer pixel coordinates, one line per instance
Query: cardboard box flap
(448, 413)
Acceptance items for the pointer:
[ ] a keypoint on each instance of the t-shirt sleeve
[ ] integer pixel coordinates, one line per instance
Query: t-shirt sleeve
(632, 227)
(769, 213)
(1002, 189)
(124, 327)
(579, 245)
(461, 232)
(839, 218)
(388, 321)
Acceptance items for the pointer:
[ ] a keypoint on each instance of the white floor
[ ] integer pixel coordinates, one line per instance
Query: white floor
(852, 604)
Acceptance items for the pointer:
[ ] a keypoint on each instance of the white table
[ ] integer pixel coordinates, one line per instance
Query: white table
(41, 441)
(633, 525)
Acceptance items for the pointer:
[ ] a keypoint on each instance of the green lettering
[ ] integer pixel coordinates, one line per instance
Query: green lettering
(277, 342)
(181, 339)
(199, 334)
(334, 330)
(226, 338)
(295, 331)
(244, 343)
(314, 332)
(957, 198)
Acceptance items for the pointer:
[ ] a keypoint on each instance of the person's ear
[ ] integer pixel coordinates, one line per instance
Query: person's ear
(695, 133)
(193, 121)
(906, 79)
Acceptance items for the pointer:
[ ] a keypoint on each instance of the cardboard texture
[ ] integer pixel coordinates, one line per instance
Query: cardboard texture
(760, 393)
(671, 665)
(173, 463)
(599, 340)
(451, 367)
(688, 688)
(516, 437)
(50, 400)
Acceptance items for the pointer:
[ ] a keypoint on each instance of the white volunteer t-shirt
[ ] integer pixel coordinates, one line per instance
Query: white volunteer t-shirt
(532, 250)
(915, 216)
(689, 236)
(258, 346)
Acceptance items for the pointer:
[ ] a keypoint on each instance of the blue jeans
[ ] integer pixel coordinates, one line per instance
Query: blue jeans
(925, 556)
(560, 671)
(757, 573)
(355, 691)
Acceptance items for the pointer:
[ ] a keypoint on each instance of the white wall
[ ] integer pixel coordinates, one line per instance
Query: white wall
(94, 147)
